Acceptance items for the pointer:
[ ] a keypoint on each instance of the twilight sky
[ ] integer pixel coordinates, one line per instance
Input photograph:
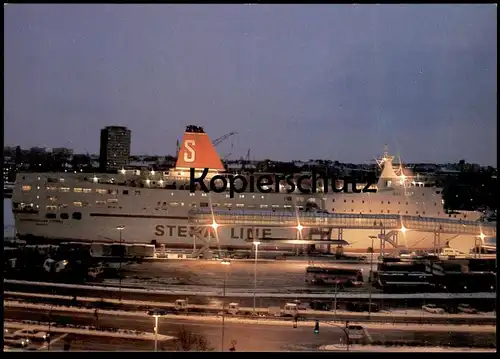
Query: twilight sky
(295, 81)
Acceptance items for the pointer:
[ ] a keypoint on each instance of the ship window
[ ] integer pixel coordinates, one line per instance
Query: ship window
(137, 193)
(242, 196)
(263, 206)
(203, 204)
(125, 191)
(52, 198)
(64, 189)
(262, 197)
(51, 208)
(191, 194)
(423, 213)
(50, 188)
(77, 189)
(370, 211)
(285, 206)
(111, 191)
(449, 216)
(87, 190)
(228, 205)
(399, 202)
(389, 202)
(388, 211)
(26, 188)
(77, 215)
(203, 194)
(158, 203)
(240, 205)
(227, 196)
(174, 204)
(381, 211)
(333, 209)
(398, 212)
(363, 201)
(333, 200)
(100, 202)
(112, 200)
(51, 215)
(164, 203)
(352, 201)
(101, 191)
(406, 212)
(288, 198)
(215, 205)
(194, 204)
(275, 205)
(382, 202)
(251, 206)
(438, 192)
(407, 203)
(417, 212)
(64, 216)
(345, 201)
(63, 206)
(77, 204)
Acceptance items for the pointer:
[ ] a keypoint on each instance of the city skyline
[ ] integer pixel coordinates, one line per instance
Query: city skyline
(347, 79)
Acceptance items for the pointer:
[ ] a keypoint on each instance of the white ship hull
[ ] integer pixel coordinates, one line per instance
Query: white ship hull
(175, 234)
(83, 207)
(161, 216)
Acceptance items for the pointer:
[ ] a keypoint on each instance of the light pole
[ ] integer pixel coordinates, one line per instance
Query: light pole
(120, 229)
(370, 278)
(156, 333)
(256, 244)
(226, 263)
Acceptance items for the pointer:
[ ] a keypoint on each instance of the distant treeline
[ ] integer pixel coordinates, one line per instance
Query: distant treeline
(470, 191)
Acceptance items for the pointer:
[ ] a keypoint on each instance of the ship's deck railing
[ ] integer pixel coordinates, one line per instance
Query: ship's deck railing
(251, 218)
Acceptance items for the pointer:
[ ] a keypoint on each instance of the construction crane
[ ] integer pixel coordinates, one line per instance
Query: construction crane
(245, 161)
(223, 138)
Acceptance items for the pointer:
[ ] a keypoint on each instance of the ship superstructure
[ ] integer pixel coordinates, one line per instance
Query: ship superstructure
(152, 206)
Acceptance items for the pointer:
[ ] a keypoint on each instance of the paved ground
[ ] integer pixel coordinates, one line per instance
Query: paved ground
(249, 337)
(240, 274)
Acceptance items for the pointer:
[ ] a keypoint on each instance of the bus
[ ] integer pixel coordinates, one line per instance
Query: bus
(341, 276)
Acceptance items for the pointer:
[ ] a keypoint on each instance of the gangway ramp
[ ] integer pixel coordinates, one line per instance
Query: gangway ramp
(255, 218)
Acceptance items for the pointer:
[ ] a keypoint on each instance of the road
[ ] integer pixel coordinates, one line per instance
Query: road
(253, 337)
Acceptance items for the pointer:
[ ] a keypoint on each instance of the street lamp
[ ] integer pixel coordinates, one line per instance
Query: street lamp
(370, 277)
(256, 244)
(120, 229)
(226, 263)
(156, 333)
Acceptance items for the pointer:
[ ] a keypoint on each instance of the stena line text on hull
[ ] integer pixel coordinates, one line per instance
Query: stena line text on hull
(161, 230)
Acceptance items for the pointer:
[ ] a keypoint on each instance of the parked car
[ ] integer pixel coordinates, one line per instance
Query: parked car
(432, 308)
(32, 334)
(466, 308)
(15, 341)
(157, 312)
(355, 332)
(362, 307)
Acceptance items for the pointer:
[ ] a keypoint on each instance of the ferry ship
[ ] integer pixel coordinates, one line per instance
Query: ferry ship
(151, 207)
